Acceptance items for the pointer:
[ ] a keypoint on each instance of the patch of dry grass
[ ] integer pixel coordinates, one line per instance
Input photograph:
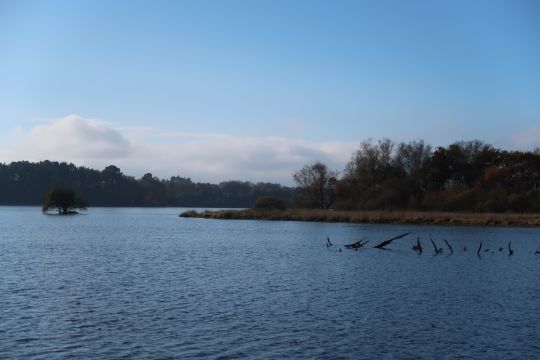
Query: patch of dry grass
(379, 217)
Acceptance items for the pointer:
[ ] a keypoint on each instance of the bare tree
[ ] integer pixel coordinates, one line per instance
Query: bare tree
(372, 163)
(413, 157)
(317, 183)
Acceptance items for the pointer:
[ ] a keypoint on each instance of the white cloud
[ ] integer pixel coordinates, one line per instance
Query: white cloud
(201, 156)
(72, 137)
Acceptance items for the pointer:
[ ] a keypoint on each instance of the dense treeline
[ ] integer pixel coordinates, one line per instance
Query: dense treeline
(465, 176)
(26, 183)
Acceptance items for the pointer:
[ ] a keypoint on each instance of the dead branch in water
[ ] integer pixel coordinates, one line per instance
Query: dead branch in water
(328, 243)
(479, 248)
(418, 246)
(386, 242)
(450, 247)
(437, 250)
(357, 244)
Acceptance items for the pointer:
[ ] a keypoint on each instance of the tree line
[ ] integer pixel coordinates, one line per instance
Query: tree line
(464, 176)
(381, 175)
(26, 183)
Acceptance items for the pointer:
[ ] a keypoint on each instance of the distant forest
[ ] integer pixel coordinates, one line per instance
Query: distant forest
(25, 183)
(466, 176)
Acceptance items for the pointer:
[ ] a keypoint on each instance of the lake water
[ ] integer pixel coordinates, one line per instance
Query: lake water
(143, 283)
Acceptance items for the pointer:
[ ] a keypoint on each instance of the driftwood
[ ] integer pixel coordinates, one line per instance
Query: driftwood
(418, 246)
(357, 244)
(450, 247)
(386, 242)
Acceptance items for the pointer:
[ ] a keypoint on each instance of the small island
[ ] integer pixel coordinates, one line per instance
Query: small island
(65, 201)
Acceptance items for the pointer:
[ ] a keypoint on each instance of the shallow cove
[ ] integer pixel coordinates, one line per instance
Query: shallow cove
(143, 283)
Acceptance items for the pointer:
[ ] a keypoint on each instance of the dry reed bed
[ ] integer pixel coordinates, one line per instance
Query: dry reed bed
(378, 217)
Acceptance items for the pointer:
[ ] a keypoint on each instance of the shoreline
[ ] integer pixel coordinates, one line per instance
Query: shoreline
(374, 217)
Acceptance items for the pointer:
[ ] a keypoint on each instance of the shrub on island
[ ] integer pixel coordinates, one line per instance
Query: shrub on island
(65, 201)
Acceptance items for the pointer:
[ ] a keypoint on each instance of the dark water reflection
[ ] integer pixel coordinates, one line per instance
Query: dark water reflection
(143, 283)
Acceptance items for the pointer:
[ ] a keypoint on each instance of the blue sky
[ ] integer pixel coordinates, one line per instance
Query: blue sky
(316, 77)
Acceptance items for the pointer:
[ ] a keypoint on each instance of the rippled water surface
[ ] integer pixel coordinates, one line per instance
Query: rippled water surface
(143, 283)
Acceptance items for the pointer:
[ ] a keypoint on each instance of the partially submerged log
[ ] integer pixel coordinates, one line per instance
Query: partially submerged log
(386, 242)
(357, 244)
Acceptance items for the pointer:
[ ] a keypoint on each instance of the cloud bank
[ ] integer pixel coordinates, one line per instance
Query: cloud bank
(201, 156)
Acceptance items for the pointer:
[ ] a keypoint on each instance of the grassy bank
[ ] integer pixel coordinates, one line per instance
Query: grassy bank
(376, 217)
